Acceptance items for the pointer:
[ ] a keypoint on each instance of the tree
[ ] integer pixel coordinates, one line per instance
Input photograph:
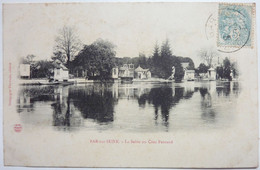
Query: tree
(203, 68)
(227, 69)
(208, 56)
(191, 65)
(166, 63)
(142, 61)
(58, 56)
(162, 62)
(156, 54)
(220, 72)
(42, 69)
(97, 59)
(156, 61)
(29, 59)
(67, 44)
(179, 71)
(234, 67)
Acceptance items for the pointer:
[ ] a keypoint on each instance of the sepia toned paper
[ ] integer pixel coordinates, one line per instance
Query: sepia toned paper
(205, 120)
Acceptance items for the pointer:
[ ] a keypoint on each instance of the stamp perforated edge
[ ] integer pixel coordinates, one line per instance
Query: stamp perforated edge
(252, 31)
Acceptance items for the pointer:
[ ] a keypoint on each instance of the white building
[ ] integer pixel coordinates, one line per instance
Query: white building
(61, 73)
(142, 73)
(115, 73)
(126, 71)
(24, 70)
(212, 74)
(189, 75)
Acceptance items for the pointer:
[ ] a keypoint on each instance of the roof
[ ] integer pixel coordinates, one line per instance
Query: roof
(190, 71)
(123, 68)
(59, 65)
(139, 68)
(127, 67)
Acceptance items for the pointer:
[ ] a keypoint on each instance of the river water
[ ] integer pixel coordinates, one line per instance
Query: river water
(137, 107)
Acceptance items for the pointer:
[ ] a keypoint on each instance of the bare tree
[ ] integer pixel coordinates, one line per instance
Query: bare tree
(208, 55)
(29, 59)
(67, 44)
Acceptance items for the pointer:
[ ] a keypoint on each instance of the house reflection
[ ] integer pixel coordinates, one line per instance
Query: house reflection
(64, 115)
(24, 103)
(227, 88)
(95, 104)
(208, 113)
(28, 95)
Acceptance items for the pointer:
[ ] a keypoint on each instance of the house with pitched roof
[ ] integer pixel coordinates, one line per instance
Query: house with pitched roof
(127, 70)
(141, 73)
(212, 74)
(188, 73)
(61, 72)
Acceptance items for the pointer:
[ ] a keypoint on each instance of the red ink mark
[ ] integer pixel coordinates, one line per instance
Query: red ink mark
(18, 128)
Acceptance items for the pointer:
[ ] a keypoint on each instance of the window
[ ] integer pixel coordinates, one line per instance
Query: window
(131, 66)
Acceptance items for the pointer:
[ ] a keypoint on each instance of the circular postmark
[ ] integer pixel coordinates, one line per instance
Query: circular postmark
(234, 25)
(210, 27)
(18, 128)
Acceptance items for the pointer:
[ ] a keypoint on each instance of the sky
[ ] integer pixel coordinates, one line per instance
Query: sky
(133, 27)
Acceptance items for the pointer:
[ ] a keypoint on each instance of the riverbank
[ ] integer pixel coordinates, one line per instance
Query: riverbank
(44, 81)
(84, 81)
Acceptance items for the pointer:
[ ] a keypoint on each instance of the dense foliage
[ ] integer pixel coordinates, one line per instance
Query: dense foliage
(97, 58)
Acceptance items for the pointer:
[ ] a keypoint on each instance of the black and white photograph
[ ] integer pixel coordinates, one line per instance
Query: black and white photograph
(130, 84)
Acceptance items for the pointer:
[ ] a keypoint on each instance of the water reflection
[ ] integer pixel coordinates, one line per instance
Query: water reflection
(64, 116)
(96, 105)
(208, 112)
(163, 99)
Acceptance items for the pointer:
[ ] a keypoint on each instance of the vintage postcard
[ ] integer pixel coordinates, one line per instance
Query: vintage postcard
(141, 84)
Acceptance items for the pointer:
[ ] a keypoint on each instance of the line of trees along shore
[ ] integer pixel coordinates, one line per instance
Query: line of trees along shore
(98, 59)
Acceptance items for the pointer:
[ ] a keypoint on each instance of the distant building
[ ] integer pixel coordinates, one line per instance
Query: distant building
(142, 73)
(115, 73)
(61, 73)
(24, 70)
(212, 74)
(126, 71)
(188, 73)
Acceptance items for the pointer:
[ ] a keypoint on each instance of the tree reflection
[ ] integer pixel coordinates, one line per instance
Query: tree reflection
(142, 100)
(164, 98)
(161, 98)
(70, 105)
(95, 104)
(208, 113)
